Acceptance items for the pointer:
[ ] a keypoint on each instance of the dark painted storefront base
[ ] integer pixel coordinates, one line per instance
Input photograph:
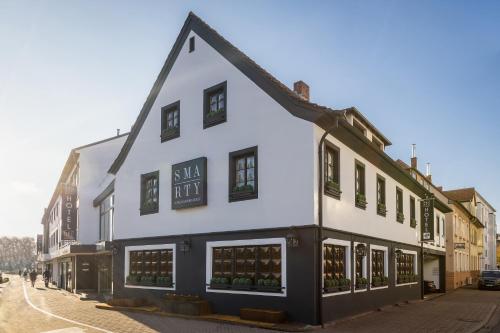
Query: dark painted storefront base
(301, 274)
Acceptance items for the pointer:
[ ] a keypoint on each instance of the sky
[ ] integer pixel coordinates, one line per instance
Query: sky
(424, 72)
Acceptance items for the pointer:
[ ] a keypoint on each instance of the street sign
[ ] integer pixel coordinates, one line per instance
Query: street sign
(427, 219)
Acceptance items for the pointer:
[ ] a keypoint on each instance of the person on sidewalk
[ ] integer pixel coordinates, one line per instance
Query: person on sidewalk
(33, 277)
(46, 277)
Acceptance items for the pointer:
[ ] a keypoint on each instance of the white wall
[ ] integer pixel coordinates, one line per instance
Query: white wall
(285, 175)
(94, 162)
(344, 215)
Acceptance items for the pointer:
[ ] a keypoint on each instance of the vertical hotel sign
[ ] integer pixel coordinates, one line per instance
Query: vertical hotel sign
(427, 219)
(68, 214)
(39, 242)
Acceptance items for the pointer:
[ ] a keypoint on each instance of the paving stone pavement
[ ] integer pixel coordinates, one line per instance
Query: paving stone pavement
(460, 311)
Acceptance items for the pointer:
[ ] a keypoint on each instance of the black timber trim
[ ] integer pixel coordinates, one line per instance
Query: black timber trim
(104, 194)
(362, 146)
(320, 115)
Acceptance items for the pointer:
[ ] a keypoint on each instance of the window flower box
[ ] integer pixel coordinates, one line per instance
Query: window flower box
(241, 192)
(385, 281)
(215, 117)
(336, 285)
(381, 209)
(413, 223)
(164, 281)
(361, 283)
(268, 285)
(170, 133)
(332, 188)
(361, 201)
(402, 279)
(219, 283)
(147, 280)
(378, 281)
(242, 284)
(133, 279)
(400, 217)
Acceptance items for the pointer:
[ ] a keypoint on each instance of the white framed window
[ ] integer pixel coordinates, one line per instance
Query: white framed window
(379, 269)
(150, 266)
(247, 266)
(336, 268)
(360, 269)
(406, 268)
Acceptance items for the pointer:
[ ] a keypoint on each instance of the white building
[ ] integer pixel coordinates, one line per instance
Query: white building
(218, 193)
(71, 222)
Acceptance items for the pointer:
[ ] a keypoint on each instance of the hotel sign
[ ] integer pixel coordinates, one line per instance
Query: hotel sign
(427, 219)
(189, 183)
(39, 242)
(69, 216)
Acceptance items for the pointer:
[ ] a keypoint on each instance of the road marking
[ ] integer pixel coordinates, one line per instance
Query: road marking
(67, 330)
(59, 317)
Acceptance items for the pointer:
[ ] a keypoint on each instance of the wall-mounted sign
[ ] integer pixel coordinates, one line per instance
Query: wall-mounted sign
(69, 216)
(427, 218)
(460, 246)
(189, 183)
(39, 242)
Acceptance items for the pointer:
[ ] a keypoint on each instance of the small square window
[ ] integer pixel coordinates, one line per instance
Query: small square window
(170, 121)
(191, 44)
(243, 175)
(215, 105)
(150, 193)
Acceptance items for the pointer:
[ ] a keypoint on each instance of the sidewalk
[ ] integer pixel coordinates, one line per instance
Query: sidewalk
(461, 311)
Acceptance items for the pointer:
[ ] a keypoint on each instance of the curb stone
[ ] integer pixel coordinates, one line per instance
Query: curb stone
(485, 321)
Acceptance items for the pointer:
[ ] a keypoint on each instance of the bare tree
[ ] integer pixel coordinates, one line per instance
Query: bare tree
(17, 253)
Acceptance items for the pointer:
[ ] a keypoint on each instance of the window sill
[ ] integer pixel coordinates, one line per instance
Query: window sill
(138, 286)
(217, 119)
(360, 290)
(361, 205)
(377, 288)
(381, 214)
(406, 284)
(332, 192)
(240, 196)
(169, 135)
(338, 293)
(148, 211)
(246, 292)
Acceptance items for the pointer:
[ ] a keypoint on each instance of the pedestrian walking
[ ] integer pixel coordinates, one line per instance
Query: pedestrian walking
(25, 274)
(46, 277)
(33, 277)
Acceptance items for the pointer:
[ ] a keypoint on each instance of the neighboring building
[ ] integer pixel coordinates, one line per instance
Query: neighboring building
(485, 215)
(218, 193)
(435, 260)
(73, 247)
(498, 251)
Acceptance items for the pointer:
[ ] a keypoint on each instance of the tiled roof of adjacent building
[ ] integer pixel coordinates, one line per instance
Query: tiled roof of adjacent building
(461, 195)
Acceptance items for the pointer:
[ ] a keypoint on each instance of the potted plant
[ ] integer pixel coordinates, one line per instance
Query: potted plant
(331, 285)
(133, 279)
(268, 285)
(147, 280)
(361, 283)
(242, 283)
(381, 209)
(164, 281)
(344, 284)
(376, 281)
(385, 281)
(413, 223)
(169, 133)
(219, 283)
(361, 200)
(400, 217)
(332, 188)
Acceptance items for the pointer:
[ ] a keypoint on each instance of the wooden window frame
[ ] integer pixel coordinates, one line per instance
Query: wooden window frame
(243, 195)
(166, 132)
(221, 116)
(381, 196)
(330, 188)
(359, 195)
(144, 178)
(399, 205)
(413, 212)
(359, 126)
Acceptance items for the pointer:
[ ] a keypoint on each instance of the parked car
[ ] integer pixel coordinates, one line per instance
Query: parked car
(489, 279)
(429, 287)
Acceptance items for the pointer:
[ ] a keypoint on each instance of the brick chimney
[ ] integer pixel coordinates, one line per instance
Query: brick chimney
(414, 156)
(301, 89)
(428, 174)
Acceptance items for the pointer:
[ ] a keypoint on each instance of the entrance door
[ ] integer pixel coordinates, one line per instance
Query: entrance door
(104, 275)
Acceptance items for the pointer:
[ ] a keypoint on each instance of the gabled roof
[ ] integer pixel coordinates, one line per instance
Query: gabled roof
(368, 124)
(320, 115)
(461, 195)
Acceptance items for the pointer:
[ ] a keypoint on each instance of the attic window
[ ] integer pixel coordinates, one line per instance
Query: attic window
(191, 44)
(215, 105)
(357, 125)
(377, 143)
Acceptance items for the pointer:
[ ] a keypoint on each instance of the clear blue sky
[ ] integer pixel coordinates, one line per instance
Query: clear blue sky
(424, 72)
